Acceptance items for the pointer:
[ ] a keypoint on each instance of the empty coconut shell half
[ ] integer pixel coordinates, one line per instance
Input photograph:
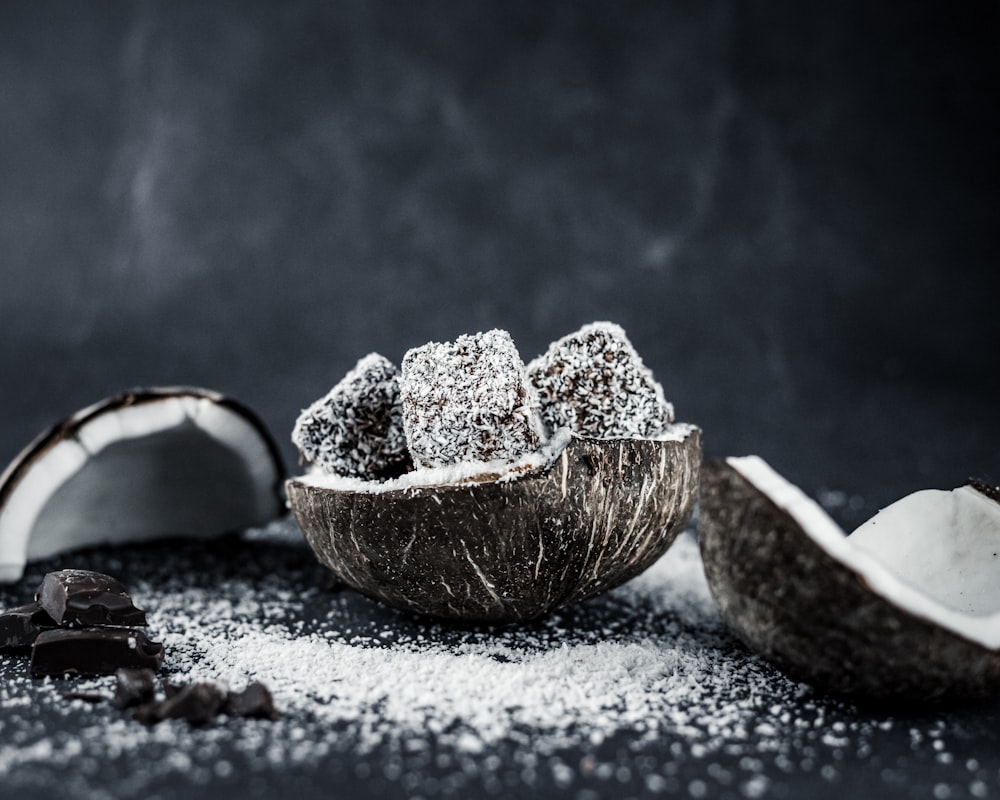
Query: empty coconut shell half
(907, 606)
(145, 464)
(511, 547)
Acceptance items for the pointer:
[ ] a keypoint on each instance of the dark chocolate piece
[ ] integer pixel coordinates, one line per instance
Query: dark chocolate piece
(20, 626)
(147, 713)
(814, 614)
(87, 697)
(254, 701)
(93, 651)
(133, 687)
(197, 703)
(78, 596)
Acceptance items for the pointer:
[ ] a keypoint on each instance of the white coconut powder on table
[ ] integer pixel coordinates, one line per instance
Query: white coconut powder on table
(639, 693)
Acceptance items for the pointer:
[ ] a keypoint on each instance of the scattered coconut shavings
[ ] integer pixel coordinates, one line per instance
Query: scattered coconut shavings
(594, 382)
(356, 429)
(468, 400)
(638, 693)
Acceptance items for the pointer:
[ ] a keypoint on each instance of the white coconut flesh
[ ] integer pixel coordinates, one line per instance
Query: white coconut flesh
(934, 554)
(179, 464)
(467, 472)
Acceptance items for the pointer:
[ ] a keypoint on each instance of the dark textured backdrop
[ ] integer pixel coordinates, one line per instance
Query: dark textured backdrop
(792, 208)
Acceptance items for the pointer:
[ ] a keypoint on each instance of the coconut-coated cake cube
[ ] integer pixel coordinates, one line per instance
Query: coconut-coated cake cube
(468, 400)
(594, 382)
(356, 429)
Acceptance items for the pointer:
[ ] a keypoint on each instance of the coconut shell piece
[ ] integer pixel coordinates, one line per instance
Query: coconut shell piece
(821, 607)
(506, 550)
(149, 463)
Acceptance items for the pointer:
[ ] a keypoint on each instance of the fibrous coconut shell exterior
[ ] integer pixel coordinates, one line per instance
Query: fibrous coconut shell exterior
(813, 616)
(506, 551)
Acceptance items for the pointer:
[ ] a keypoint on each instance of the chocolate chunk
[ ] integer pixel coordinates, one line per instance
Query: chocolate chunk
(87, 697)
(78, 596)
(133, 687)
(20, 626)
(93, 651)
(254, 701)
(196, 703)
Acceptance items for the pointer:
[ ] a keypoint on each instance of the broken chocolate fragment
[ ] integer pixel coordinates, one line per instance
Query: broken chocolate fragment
(87, 697)
(254, 701)
(134, 686)
(170, 689)
(20, 626)
(93, 651)
(78, 596)
(197, 703)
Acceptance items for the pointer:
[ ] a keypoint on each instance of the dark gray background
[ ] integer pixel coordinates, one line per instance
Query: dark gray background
(791, 207)
(792, 210)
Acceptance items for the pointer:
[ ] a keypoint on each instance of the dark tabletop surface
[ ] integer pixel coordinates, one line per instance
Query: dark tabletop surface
(794, 212)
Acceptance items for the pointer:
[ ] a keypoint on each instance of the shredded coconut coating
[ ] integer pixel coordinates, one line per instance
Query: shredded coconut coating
(356, 429)
(468, 401)
(593, 382)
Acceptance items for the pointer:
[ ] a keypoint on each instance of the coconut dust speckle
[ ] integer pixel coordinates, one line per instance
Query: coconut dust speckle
(640, 693)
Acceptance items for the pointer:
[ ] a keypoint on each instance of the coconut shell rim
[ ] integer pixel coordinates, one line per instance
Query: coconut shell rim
(874, 590)
(528, 473)
(987, 490)
(916, 618)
